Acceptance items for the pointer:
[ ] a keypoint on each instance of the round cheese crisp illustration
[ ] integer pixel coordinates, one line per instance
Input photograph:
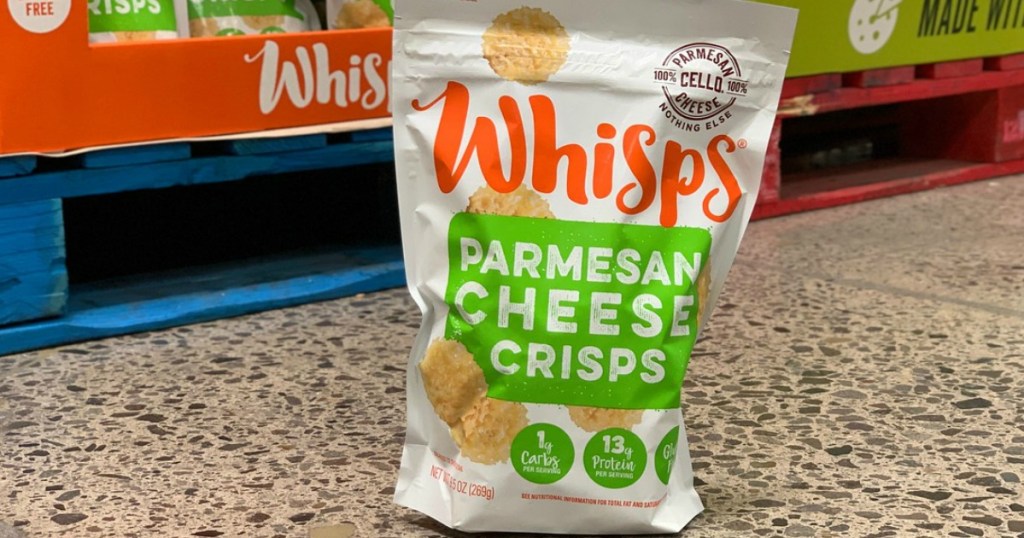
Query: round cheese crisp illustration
(526, 45)
(521, 202)
(264, 22)
(595, 419)
(361, 14)
(486, 433)
(204, 27)
(452, 380)
(121, 37)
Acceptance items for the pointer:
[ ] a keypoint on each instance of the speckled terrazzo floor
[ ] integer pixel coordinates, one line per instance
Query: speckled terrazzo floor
(863, 376)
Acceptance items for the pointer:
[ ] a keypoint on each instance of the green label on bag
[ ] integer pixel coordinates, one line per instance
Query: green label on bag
(202, 9)
(131, 16)
(576, 313)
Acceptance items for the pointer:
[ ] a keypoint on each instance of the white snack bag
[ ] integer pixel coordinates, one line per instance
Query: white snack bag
(574, 180)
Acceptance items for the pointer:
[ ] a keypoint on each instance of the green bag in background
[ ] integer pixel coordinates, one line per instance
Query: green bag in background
(209, 18)
(133, 20)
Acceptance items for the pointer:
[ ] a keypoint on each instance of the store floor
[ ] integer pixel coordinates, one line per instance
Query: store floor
(862, 376)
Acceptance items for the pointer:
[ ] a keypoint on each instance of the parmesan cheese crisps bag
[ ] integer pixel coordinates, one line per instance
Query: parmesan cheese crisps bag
(574, 180)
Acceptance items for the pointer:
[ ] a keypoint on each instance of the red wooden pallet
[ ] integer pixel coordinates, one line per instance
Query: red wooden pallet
(841, 139)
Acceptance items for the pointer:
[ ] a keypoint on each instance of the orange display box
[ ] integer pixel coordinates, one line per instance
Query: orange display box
(59, 93)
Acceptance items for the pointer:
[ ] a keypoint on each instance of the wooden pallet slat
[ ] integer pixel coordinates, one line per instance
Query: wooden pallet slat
(262, 146)
(136, 155)
(18, 241)
(196, 171)
(771, 178)
(13, 212)
(17, 166)
(33, 296)
(24, 230)
(14, 263)
(161, 301)
(962, 68)
(33, 276)
(1005, 63)
(1010, 125)
(889, 76)
(373, 135)
(850, 98)
(794, 87)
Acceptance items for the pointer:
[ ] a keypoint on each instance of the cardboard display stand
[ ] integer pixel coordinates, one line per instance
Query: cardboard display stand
(58, 92)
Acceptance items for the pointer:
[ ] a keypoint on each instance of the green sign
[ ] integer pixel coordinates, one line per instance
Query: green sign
(835, 36)
(575, 313)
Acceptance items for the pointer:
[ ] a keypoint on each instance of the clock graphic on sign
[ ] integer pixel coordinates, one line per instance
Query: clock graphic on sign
(872, 23)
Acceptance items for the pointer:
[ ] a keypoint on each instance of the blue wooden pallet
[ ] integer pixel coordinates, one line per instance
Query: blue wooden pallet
(45, 185)
(33, 280)
(37, 309)
(152, 302)
(110, 158)
(17, 166)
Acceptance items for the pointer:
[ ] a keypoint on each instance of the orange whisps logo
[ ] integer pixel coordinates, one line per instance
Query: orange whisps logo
(599, 161)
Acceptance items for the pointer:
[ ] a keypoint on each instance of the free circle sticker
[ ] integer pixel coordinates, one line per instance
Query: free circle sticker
(615, 458)
(39, 16)
(542, 453)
